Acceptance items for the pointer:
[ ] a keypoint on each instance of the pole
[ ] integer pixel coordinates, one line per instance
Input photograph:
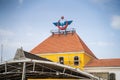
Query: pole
(1, 53)
(33, 66)
(24, 71)
(6, 67)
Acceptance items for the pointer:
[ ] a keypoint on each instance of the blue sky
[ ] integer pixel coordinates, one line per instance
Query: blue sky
(26, 23)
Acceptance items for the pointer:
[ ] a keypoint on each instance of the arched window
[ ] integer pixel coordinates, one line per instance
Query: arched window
(76, 60)
(112, 76)
(61, 60)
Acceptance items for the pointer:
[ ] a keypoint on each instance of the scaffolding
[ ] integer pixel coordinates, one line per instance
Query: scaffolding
(26, 66)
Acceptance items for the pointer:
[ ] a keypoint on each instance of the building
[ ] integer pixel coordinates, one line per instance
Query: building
(66, 47)
(109, 69)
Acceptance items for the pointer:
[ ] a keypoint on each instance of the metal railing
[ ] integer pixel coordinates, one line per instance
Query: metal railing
(69, 30)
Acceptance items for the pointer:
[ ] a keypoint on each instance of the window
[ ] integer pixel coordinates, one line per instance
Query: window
(61, 60)
(112, 76)
(76, 60)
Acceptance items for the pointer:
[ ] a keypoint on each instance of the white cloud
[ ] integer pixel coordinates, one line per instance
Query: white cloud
(20, 1)
(29, 34)
(102, 44)
(115, 22)
(100, 1)
(6, 32)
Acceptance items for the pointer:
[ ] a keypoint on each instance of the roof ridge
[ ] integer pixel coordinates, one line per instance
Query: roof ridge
(31, 51)
(85, 47)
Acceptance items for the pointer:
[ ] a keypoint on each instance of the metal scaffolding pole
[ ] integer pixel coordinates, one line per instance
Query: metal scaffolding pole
(1, 53)
(5, 67)
(24, 71)
(33, 66)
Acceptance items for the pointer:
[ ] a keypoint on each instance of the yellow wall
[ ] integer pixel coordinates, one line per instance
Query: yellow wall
(87, 58)
(68, 58)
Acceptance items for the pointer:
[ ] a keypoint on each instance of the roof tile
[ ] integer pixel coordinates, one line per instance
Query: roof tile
(104, 63)
(69, 42)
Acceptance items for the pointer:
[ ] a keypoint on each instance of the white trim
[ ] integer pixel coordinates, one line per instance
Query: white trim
(101, 69)
(90, 55)
(59, 53)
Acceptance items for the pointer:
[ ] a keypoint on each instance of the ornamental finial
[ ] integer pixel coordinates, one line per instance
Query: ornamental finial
(62, 24)
(62, 17)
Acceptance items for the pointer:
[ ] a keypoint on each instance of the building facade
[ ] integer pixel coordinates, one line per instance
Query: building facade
(66, 49)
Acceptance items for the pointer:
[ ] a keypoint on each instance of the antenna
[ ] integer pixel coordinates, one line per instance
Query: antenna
(1, 53)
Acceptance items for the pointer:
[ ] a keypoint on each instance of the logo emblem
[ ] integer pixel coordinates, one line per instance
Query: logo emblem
(62, 24)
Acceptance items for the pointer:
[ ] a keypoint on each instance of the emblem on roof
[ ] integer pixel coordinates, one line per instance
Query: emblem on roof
(62, 24)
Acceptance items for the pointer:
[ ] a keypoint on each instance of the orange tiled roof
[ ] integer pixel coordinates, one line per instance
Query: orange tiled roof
(104, 63)
(70, 42)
